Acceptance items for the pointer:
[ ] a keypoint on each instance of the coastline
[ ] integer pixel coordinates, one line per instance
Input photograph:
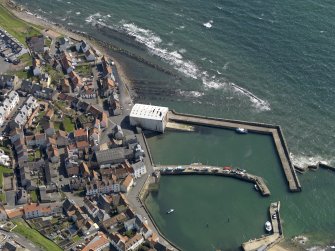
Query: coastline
(20, 12)
(62, 30)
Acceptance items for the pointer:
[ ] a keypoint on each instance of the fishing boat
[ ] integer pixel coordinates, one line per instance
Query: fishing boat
(241, 130)
(268, 226)
(170, 211)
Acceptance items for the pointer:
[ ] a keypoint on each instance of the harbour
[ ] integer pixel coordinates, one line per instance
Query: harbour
(274, 131)
(197, 169)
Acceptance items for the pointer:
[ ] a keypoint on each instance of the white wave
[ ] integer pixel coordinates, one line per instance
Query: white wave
(70, 23)
(63, 19)
(78, 13)
(108, 15)
(193, 94)
(257, 102)
(225, 67)
(211, 84)
(209, 24)
(154, 44)
(181, 27)
(175, 58)
(304, 161)
(92, 17)
(182, 50)
(68, 2)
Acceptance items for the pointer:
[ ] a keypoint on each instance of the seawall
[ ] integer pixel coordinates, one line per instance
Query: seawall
(273, 130)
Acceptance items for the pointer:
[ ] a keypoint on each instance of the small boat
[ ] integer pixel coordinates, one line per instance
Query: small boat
(170, 211)
(268, 226)
(241, 130)
(256, 187)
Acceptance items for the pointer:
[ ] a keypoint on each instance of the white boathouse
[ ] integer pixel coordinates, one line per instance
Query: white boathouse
(149, 117)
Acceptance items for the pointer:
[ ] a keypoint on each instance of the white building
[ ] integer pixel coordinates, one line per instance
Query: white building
(149, 117)
(8, 105)
(139, 169)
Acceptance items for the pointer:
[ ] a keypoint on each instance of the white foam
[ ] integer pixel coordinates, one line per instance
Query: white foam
(154, 44)
(175, 58)
(304, 161)
(209, 24)
(193, 94)
(262, 105)
(78, 13)
(93, 17)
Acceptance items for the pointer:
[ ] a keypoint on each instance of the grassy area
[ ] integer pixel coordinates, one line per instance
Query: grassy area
(3, 170)
(76, 238)
(2, 197)
(85, 70)
(38, 154)
(55, 75)
(47, 42)
(25, 59)
(67, 124)
(6, 150)
(33, 196)
(34, 236)
(16, 27)
(57, 125)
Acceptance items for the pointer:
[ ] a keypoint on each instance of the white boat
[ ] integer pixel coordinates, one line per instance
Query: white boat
(170, 211)
(256, 187)
(268, 226)
(241, 130)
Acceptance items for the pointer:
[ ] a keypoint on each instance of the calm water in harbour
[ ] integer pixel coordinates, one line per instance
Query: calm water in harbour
(201, 200)
(279, 52)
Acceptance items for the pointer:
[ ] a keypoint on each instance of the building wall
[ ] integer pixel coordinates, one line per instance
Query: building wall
(154, 125)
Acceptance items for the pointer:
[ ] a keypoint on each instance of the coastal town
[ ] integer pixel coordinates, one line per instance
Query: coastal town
(75, 164)
(72, 164)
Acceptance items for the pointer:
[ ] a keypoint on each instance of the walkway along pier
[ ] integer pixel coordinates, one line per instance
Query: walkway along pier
(268, 241)
(274, 130)
(219, 171)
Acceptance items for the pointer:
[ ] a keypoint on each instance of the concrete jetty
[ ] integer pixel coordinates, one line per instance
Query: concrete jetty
(268, 241)
(273, 130)
(198, 169)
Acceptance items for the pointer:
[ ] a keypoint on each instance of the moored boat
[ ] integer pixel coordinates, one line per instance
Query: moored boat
(241, 130)
(170, 211)
(268, 226)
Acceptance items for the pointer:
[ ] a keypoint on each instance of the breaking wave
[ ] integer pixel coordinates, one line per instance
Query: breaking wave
(304, 161)
(191, 94)
(209, 24)
(155, 46)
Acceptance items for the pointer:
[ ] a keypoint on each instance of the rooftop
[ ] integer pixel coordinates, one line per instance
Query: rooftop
(149, 112)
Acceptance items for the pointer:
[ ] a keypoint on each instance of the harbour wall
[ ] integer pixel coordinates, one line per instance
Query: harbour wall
(217, 171)
(274, 130)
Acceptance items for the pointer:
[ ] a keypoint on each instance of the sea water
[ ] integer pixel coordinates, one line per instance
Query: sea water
(266, 61)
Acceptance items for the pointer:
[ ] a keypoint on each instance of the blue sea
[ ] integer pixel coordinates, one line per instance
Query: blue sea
(259, 60)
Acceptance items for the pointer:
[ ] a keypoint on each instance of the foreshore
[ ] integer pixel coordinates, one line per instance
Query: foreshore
(21, 13)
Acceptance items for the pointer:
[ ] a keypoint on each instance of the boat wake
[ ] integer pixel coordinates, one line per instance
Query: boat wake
(175, 58)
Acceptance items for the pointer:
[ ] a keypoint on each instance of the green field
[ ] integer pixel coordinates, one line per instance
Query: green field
(2, 171)
(34, 236)
(68, 125)
(33, 196)
(16, 27)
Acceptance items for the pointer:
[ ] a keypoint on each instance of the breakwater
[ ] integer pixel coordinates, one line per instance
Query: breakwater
(268, 241)
(273, 130)
(218, 171)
